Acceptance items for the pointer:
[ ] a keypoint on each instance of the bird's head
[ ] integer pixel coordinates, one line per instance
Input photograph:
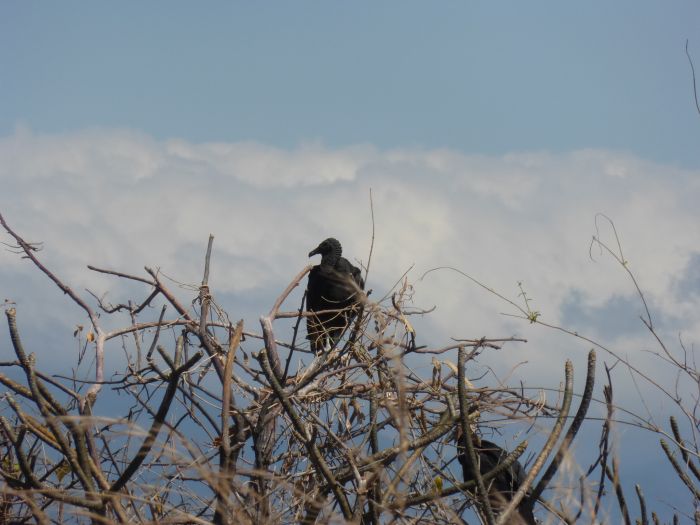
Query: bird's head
(328, 249)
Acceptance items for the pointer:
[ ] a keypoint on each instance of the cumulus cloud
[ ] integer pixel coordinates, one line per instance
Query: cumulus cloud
(121, 199)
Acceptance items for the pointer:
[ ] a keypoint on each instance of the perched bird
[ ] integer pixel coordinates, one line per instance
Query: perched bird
(335, 284)
(501, 488)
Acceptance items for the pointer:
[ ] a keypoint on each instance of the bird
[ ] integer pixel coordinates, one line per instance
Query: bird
(501, 488)
(334, 284)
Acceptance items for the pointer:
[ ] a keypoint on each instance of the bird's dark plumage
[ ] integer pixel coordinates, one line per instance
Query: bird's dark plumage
(502, 488)
(335, 284)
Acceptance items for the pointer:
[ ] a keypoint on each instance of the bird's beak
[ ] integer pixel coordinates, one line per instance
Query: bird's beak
(313, 252)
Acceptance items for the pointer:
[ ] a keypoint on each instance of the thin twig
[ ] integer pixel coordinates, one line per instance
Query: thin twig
(692, 69)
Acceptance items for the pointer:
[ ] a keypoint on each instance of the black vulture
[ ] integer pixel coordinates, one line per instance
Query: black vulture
(501, 488)
(335, 284)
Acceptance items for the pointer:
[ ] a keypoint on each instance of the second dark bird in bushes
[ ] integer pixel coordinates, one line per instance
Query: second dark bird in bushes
(335, 284)
(501, 488)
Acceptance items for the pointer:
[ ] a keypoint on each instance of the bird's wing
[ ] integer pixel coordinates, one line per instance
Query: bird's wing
(329, 288)
(345, 266)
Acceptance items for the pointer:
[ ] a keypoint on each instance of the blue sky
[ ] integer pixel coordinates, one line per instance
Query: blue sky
(490, 134)
(479, 77)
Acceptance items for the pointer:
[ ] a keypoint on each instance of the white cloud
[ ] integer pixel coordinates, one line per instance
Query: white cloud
(123, 200)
